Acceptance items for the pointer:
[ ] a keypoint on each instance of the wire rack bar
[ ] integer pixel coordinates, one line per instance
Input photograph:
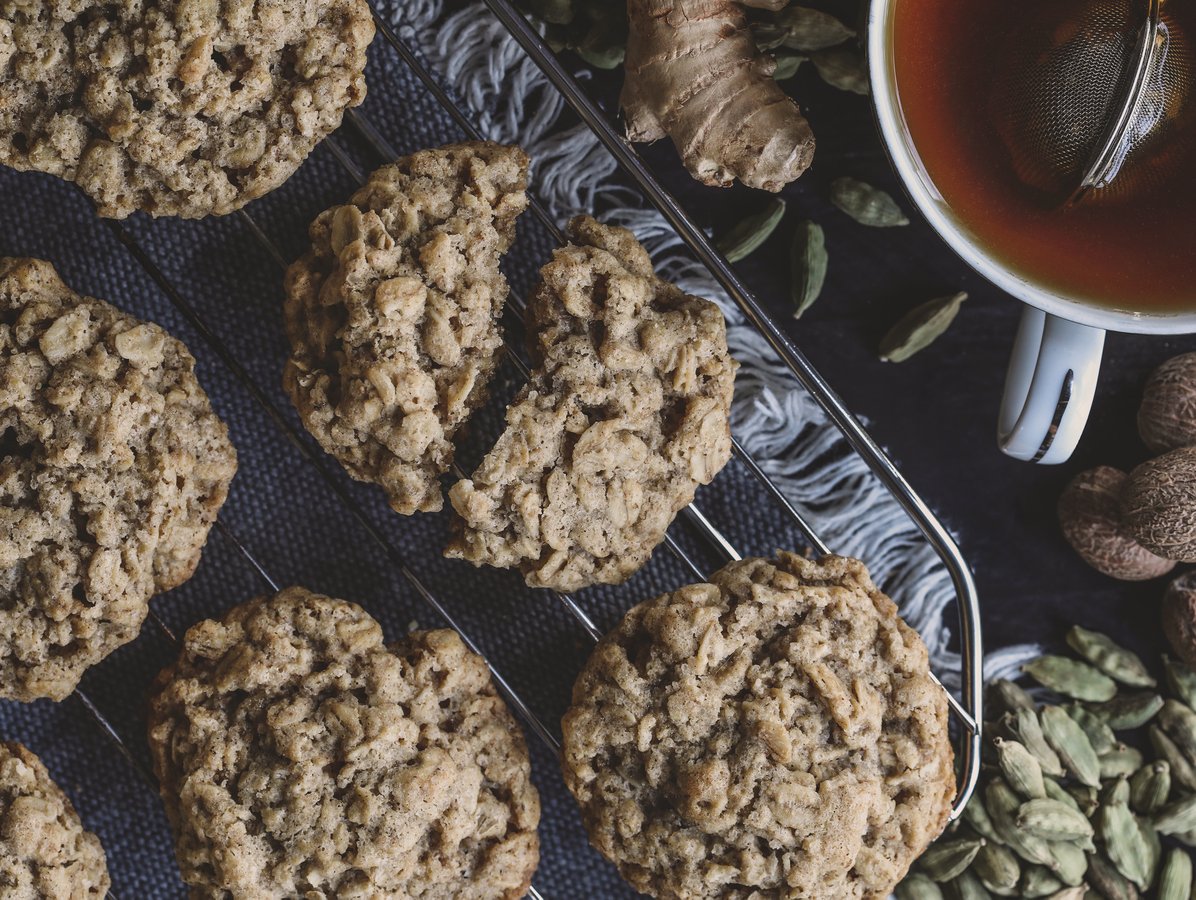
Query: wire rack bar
(113, 735)
(249, 557)
(936, 534)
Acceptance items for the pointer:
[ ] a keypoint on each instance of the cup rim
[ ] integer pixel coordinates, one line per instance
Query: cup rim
(898, 145)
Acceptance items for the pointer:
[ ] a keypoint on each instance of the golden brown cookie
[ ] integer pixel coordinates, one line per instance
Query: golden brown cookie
(298, 756)
(112, 469)
(626, 413)
(774, 733)
(393, 314)
(186, 108)
(45, 853)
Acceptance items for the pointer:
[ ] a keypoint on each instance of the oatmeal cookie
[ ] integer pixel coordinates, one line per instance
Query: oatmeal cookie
(624, 416)
(775, 733)
(112, 469)
(299, 757)
(45, 853)
(393, 314)
(186, 108)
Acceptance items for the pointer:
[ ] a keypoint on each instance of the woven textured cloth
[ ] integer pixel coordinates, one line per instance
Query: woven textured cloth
(307, 523)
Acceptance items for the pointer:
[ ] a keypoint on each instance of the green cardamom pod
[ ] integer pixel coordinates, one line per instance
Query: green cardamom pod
(945, 860)
(808, 260)
(919, 328)
(1024, 725)
(1124, 840)
(1179, 721)
(1003, 805)
(1020, 768)
(1125, 712)
(1085, 796)
(1069, 741)
(1007, 696)
(1100, 735)
(1071, 678)
(746, 237)
(1070, 862)
(866, 204)
(1175, 878)
(1154, 849)
(768, 35)
(1072, 893)
(1108, 882)
(1119, 761)
(810, 29)
(1177, 817)
(1039, 881)
(1183, 772)
(966, 886)
(1187, 838)
(997, 867)
(1150, 787)
(1181, 679)
(553, 12)
(997, 891)
(787, 64)
(601, 54)
(1116, 791)
(1110, 657)
(1056, 791)
(917, 886)
(976, 816)
(1054, 821)
(844, 70)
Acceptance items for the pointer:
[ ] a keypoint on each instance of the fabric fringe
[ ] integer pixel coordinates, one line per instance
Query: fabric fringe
(773, 416)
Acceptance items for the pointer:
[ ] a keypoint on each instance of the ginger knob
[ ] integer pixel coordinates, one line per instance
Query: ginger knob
(695, 74)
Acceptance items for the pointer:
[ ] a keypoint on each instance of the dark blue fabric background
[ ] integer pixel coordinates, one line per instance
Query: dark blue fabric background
(286, 513)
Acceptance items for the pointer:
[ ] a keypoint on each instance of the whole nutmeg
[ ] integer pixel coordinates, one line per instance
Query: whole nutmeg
(1179, 617)
(1089, 513)
(1158, 505)
(1167, 416)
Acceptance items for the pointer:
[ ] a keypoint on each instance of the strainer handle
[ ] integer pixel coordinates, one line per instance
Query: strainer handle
(1049, 387)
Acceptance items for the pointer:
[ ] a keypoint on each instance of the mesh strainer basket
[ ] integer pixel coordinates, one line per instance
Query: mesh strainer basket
(1089, 97)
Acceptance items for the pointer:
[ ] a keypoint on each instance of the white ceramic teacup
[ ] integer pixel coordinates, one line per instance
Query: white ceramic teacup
(1057, 352)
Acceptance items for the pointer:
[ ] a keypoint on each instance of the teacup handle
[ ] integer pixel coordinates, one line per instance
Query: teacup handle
(1049, 387)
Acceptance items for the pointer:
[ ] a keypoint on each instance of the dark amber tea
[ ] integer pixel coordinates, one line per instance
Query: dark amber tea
(958, 62)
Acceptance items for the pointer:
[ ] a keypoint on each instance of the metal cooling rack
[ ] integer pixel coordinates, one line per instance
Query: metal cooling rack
(967, 709)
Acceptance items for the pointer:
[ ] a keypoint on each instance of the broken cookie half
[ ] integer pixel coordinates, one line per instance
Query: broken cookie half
(393, 314)
(625, 414)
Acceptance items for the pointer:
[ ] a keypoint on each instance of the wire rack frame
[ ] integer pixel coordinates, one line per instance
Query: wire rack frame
(968, 711)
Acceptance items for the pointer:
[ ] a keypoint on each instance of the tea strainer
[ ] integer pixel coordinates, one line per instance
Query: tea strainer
(1088, 95)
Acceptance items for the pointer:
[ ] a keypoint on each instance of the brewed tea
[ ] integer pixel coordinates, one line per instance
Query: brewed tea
(1133, 248)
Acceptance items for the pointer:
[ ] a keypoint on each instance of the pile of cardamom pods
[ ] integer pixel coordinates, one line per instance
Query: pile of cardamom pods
(1066, 809)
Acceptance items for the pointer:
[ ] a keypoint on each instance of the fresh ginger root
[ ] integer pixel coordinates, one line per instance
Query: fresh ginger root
(694, 74)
